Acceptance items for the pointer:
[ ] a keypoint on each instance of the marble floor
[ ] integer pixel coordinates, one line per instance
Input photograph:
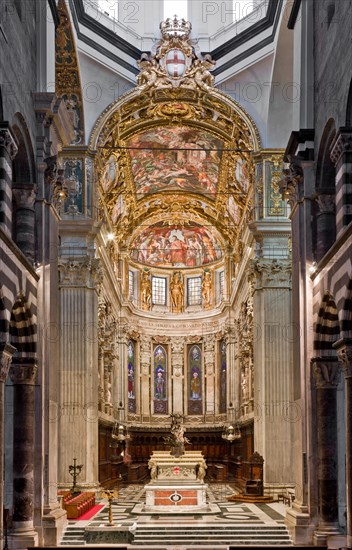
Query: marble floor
(247, 518)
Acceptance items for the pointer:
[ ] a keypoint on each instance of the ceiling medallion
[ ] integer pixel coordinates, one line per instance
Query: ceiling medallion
(175, 61)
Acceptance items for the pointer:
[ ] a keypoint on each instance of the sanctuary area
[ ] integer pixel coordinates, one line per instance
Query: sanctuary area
(175, 273)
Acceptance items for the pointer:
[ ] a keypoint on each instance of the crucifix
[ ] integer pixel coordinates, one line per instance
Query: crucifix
(74, 470)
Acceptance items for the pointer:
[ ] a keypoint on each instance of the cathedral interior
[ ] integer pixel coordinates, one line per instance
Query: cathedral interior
(176, 243)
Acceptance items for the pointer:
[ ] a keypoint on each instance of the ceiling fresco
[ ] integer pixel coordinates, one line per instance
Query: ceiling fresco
(174, 158)
(167, 245)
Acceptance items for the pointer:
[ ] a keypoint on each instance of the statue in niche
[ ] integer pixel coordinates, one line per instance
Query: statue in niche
(206, 289)
(146, 291)
(176, 292)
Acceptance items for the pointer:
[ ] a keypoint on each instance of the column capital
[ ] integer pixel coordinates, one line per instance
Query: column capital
(325, 371)
(25, 196)
(344, 352)
(23, 372)
(272, 273)
(326, 203)
(7, 140)
(85, 271)
(291, 186)
(341, 144)
(6, 353)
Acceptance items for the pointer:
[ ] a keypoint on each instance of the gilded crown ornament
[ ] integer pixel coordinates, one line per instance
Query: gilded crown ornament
(175, 27)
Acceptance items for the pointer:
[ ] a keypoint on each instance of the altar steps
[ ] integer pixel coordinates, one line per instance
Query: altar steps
(211, 536)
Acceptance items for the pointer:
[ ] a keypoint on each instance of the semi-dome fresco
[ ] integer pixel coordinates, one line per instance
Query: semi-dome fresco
(175, 158)
(167, 245)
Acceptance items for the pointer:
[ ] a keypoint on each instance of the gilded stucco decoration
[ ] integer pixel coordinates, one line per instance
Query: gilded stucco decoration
(67, 77)
(174, 161)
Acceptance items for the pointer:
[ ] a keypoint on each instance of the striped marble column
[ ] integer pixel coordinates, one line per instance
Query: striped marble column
(25, 196)
(23, 374)
(325, 374)
(344, 352)
(8, 151)
(341, 155)
(6, 352)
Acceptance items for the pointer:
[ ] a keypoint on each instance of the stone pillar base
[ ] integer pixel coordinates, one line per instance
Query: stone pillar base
(298, 523)
(324, 532)
(54, 523)
(22, 538)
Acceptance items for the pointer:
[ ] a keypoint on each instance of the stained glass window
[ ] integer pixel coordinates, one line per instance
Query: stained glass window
(131, 376)
(195, 405)
(223, 376)
(160, 380)
(159, 291)
(194, 291)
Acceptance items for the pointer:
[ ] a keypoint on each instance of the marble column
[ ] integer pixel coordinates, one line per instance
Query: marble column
(209, 374)
(22, 374)
(25, 220)
(326, 226)
(344, 352)
(177, 360)
(6, 353)
(325, 374)
(272, 355)
(8, 151)
(78, 421)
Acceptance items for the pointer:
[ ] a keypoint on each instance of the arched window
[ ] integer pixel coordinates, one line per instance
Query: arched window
(131, 376)
(160, 380)
(222, 376)
(195, 399)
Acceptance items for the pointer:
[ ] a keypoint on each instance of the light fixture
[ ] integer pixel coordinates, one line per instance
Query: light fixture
(231, 434)
(119, 433)
(110, 236)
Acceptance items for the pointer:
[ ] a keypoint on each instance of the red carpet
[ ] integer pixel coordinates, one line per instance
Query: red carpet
(91, 512)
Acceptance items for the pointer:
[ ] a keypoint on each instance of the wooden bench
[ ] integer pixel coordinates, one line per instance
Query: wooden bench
(80, 504)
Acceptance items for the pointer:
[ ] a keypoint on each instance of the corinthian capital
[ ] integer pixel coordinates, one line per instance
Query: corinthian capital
(83, 272)
(23, 373)
(344, 353)
(272, 273)
(6, 353)
(25, 196)
(7, 140)
(291, 185)
(325, 373)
